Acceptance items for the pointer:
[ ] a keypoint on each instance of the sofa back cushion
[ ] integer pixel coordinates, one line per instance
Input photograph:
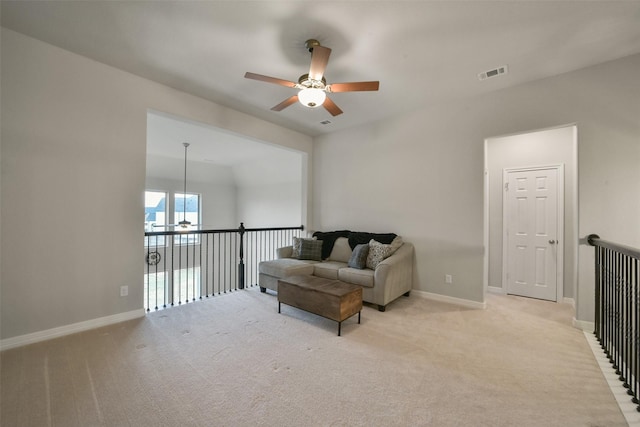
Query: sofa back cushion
(341, 250)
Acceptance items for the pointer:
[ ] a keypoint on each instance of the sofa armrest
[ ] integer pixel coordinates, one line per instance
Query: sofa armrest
(404, 255)
(394, 275)
(284, 252)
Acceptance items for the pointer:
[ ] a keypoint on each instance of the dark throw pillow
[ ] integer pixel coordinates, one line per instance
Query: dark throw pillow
(311, 250)
(359, 256)
(358, 238)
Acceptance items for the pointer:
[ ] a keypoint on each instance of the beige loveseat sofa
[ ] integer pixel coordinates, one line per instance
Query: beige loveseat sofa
(391, 278)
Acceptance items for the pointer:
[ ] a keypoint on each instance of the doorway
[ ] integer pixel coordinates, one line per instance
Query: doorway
(533, 224)
(525, 151)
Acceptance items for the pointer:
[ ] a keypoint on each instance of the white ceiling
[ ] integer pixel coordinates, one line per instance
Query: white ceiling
(166, 135)
(251, 162)
(422, 52)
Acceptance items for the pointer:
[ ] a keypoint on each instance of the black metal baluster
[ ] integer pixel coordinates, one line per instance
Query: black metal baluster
(155, 288)
(616, 312)
(607, 334)
(209, 256)
(186, 269)
(219, 262)
(619, 316)
(635, 390)
(241, 263)
(193, 271)
(627, 326)
(224, 263)
(147, 243)
(202, 268)
(605, 290)
(597, 314)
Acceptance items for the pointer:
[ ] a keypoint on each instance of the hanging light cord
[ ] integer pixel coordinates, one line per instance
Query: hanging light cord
(184, 199)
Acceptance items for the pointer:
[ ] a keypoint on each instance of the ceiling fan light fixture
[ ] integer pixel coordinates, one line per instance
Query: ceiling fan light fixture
(312, 97)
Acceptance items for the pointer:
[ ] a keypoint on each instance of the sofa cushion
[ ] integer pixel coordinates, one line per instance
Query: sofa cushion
(297, 241)
(379, 251)
(328, 269)
(341, 250)
(357, 277)
(329, 238)
(359, 257)
(286, 267)
(311, 250)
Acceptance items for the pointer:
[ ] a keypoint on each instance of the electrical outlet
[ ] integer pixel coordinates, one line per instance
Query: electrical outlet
(124, 291)
(448, 278)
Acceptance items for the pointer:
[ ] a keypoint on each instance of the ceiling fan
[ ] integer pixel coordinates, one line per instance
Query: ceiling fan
(313, 86)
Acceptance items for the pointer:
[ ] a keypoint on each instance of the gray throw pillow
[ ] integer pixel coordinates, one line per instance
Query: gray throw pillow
(359, 256)
(296, 245)
(311, 250)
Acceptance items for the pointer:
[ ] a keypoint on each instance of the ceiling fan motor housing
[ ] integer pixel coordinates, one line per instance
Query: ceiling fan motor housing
(311, 43)
(305, 82)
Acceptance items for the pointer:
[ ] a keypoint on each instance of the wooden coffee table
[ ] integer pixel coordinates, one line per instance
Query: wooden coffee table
(328, 298)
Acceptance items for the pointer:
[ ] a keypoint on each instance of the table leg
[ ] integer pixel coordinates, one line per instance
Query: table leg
(279, 306)
(339, 327)
(359, 316)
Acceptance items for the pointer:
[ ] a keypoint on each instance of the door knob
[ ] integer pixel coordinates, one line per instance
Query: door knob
(552, 242)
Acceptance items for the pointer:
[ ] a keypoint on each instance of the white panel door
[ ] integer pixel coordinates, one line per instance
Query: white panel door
(532, 230)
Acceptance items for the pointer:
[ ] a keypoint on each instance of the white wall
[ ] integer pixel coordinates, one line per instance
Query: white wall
(270, 192)
(270, 206)
(73, 180)
(421, 175)
(539, 148)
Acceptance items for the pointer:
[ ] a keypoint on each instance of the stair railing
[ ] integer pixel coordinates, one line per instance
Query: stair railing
(617, 310)
(183, 266)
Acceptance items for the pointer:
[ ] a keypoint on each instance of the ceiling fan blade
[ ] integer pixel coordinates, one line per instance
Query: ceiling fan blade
(268, 79)
(284, 104)
(319, 60)
(331, 107)
(354, 86)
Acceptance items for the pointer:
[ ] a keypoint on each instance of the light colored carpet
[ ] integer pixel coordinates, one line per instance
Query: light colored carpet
(234, 361)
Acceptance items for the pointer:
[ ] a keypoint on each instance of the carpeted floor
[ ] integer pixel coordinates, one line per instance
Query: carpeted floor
(234, 361)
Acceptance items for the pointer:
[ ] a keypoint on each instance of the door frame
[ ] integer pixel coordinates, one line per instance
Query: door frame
(560, 225)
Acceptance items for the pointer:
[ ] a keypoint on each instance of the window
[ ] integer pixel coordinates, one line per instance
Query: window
(158, 206)
(155, 214)
(187, 208)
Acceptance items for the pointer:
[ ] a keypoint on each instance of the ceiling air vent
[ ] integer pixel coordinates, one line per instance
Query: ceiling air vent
(493, 73)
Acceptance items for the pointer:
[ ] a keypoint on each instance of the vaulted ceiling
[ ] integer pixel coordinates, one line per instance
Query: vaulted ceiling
(422, 52)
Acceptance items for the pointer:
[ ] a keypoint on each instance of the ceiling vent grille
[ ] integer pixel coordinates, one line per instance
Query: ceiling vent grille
(493, 73)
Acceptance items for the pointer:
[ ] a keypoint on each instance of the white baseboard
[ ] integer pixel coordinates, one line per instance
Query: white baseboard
(451, 300)
(496, 290)
(570, 301)
(584, 325)
(60, 331)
